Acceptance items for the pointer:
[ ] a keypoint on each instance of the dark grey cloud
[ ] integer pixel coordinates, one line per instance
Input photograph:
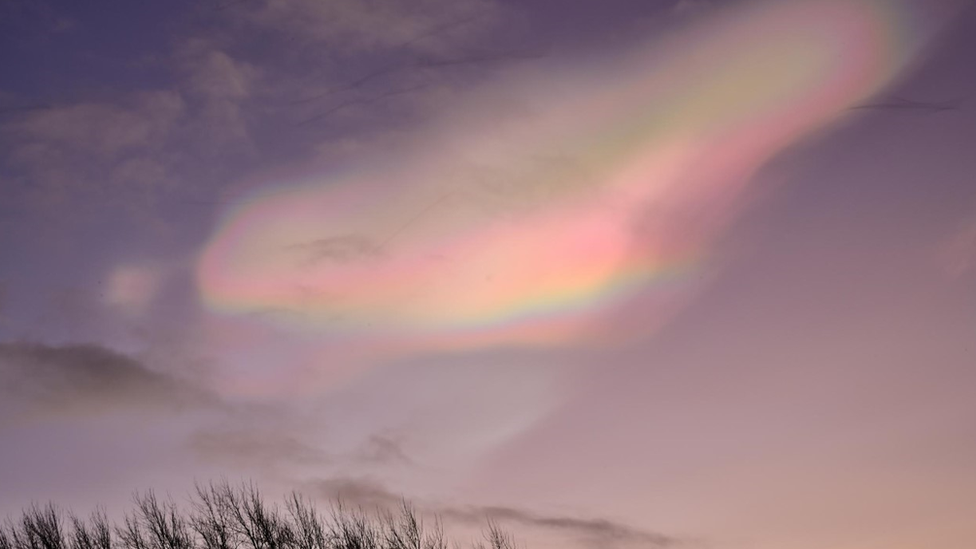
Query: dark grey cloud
(273, 441)
(41, 379)
(593, 532)
(590, 532)
(360, 491)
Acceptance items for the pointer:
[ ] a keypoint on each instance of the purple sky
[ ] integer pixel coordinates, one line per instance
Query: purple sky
(622, 273)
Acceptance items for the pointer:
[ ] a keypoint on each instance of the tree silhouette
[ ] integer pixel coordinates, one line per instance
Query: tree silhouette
(222, 516)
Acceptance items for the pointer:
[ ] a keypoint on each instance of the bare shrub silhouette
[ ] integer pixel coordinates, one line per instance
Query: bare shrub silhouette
(39, 528)
(221, 516)
(94, 534)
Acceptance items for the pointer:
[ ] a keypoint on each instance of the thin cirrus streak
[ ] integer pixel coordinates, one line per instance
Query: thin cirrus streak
(475, 241)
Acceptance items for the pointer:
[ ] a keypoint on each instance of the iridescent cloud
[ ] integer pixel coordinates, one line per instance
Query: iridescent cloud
(602, 197)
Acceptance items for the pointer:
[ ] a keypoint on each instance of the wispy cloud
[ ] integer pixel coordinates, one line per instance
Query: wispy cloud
(222, 86)
(591, 532)
(144, 148)
(958, 251)
(39, 379)
(580, 531)
(382, 450)
(268, 450)
(360, 491)
(72, 156)
(337, 248)
(353, 26)
(92, 128)
(691, 7)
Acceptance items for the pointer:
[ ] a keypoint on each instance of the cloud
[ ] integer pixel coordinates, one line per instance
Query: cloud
(80, 155)
(362, 63)
(216, 75)
(360, 491)
(92, 128)
(958, 252)
(245, 446)
(691, 7)
(222, 85)
(39, 379)
(132, 288)
(231, 85)
(380, 449)
(590, 532)
(600, 533)
(338, 248)
(275, 442)
(356, 25)
(550, 208)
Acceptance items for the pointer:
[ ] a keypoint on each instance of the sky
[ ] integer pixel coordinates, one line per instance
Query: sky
(619, 274)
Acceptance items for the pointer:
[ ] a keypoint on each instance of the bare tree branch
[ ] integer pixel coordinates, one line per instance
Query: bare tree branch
(225, 517)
